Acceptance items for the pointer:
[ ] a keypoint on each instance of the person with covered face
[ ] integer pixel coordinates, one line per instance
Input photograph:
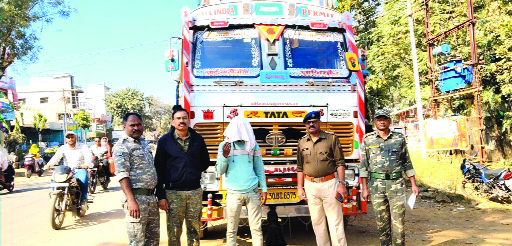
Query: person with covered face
(319, 157)
(180, 159)
(239, 158)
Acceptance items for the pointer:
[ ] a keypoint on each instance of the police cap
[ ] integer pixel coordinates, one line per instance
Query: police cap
(311, 116)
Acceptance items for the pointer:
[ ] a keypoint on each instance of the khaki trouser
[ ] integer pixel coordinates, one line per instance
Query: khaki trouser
(234, 203)
(322, 202)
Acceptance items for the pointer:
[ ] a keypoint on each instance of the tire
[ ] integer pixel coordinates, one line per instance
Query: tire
(471, 189)
(28, 174)
(40, 172)
(93, 183)
(104, 184)
(11, 188)
(57, 212)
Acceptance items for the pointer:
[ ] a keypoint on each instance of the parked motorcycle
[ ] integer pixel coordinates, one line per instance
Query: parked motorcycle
(103, 172)
(478, 180)
(33, 164)
(65, 196)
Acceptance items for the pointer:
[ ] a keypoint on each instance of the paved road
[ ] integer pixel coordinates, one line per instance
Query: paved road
(25, 221)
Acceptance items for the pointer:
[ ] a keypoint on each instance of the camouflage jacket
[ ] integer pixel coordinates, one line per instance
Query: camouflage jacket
(134, 160)
(388, 155)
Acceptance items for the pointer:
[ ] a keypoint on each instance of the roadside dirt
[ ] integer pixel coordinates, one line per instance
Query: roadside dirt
(430, 223)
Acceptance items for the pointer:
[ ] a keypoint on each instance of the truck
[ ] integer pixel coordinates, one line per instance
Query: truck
(272, 62)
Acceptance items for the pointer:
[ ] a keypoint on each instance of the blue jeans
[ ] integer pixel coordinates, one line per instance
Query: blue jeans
(83, 181)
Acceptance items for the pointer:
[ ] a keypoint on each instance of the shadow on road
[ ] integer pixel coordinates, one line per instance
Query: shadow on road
(95, 219)
(15, 191)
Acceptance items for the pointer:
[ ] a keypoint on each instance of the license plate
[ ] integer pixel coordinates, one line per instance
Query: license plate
(282, 196)
(55, 185)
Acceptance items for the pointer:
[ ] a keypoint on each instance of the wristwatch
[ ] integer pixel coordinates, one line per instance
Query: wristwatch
(342, 182)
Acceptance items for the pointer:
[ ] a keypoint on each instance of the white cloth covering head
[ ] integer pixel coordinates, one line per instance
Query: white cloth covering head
(240, 129)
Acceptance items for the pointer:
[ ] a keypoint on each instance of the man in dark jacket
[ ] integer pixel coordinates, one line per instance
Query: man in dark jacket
(181, 157)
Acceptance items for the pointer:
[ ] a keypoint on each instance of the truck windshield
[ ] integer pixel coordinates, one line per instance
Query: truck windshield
(227, 53)
(315, 54)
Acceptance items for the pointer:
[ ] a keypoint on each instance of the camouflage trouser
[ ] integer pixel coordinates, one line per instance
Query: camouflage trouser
(388, 199)
(184, 205)
(146, 229)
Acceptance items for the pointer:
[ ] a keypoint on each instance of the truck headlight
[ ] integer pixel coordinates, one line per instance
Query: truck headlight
(208, 178)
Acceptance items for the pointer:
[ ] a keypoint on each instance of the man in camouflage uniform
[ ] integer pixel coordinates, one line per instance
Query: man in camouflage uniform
(384, 157)
(137, 175)
(181, 157)
(319, 157)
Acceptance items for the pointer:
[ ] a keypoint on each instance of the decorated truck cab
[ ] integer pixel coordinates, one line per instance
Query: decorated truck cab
(272, 62)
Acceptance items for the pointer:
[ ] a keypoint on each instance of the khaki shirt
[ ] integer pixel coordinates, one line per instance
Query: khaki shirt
(320, 158)
(134, 160)
(388, 155)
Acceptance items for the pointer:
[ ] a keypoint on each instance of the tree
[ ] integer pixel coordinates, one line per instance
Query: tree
(83, 120)
(39, 123)
(159, 115)
(19, 27)
(125, 100)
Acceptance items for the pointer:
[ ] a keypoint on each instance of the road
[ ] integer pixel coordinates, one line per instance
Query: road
(25, 221)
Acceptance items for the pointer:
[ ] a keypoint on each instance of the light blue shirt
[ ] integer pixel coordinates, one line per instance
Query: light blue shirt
(243, 169)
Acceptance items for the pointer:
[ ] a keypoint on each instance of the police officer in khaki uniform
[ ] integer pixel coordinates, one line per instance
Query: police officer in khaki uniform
(384, 157)
(319, 156)
(137, 175)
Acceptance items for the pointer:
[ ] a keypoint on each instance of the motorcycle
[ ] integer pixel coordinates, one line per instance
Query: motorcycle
(65, 196)
(33, 164)
(6, 181)
(478, 180)
(48, 154)
(103, 171)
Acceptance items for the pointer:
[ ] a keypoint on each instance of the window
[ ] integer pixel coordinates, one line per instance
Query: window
(22, 101)
(315, 54)
(43, 100)
(227, 53)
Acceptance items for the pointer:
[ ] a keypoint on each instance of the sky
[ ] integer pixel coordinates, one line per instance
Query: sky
(119, 42)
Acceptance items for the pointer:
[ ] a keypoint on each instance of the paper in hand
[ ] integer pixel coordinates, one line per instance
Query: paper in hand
(411, 201)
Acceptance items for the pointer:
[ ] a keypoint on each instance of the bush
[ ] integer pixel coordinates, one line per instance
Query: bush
(13, 143)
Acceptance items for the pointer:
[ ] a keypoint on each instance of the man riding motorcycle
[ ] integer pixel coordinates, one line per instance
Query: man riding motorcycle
(78, 157)
(98, 150)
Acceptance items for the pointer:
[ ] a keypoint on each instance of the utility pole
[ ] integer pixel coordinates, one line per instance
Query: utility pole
(65, 113)
(419, 110)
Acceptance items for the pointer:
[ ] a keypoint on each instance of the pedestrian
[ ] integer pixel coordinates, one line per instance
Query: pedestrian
(384, 156)
(319, 157)
(78, 158)
(137, 176)
(181, 157)
(239, 157)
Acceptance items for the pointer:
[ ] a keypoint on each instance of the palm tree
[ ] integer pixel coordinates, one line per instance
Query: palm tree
(39, 123)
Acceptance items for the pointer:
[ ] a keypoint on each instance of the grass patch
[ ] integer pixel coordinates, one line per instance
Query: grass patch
(438, 171)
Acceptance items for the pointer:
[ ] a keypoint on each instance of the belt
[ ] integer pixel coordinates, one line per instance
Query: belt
(321, 179)
(387, 176)
(143, 192)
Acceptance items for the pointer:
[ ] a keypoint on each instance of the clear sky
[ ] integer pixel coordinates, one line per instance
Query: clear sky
(119, 42)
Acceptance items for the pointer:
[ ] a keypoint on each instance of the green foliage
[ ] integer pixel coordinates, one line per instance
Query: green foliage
(39, 123)
(83, 119)
(159, 115)
(21, 23)
(124, 101)
(14, 141)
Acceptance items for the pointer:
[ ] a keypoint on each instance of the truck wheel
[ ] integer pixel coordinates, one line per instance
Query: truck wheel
(57, 212)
